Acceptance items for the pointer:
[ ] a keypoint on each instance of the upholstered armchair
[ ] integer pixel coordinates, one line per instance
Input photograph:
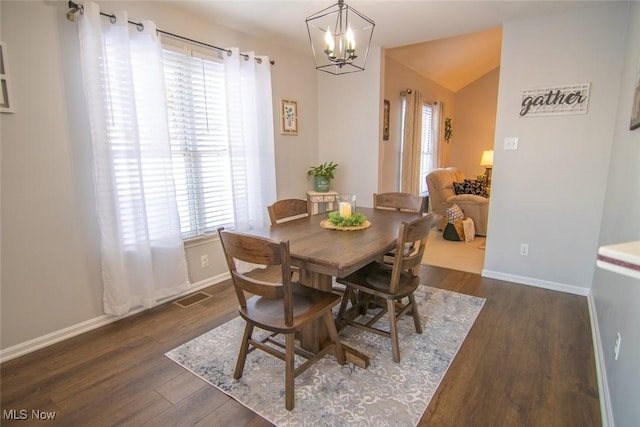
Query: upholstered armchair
(442, 196)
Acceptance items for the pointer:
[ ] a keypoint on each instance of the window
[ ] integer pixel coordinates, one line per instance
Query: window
(197, 112)
(427, 160)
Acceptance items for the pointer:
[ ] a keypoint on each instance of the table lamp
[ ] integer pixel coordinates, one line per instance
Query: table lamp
(487, 162)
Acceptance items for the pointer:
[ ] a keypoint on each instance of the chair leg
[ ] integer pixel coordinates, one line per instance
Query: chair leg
(393, 324)
(343, 307)
(354, 298)
(333, 333)
(364, 299)
(244, 348)
(416, 315)
(289, 372)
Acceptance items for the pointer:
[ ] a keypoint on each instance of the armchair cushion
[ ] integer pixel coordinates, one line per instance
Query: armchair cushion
(462, 199)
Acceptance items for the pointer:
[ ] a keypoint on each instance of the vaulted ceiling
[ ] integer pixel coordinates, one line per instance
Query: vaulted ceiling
(453, 62)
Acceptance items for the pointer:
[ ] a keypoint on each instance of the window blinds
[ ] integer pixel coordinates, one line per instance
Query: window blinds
(198, 126)
(426, 149)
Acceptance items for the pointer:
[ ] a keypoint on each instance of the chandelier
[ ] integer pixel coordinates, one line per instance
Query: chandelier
(340, 37)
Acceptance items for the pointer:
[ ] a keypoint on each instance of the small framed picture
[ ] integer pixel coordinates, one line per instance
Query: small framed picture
(288, 117)
(635, 110)
(385, 120)
(634, 123)
(6, 106)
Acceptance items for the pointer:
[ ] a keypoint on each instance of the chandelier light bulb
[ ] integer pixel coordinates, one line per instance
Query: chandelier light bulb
(330, 44)
(351, 41)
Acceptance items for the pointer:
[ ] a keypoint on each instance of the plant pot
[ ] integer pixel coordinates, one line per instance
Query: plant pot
(321, 184)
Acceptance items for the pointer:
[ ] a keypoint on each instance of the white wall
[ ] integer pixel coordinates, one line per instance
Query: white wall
(474, 123)
(50, 273)
(617, 298)
(349, 127)
(50, 259)
(549, 193)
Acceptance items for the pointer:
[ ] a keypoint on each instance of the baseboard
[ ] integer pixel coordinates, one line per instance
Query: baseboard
(601, 372)
(95, 323)
(523, 280)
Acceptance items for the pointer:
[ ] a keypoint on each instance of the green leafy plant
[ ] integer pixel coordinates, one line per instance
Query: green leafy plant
(325, 169)
(353, 221)
(448, 131)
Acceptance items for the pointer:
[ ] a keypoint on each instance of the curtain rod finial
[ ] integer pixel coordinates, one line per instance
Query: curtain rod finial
(73, 8)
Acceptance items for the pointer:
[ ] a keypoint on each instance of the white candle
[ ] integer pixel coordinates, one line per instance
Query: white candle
(351, 40)
(345, 209)
(330, 44)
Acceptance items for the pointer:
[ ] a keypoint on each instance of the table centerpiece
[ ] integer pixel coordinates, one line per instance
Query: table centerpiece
(346, 218)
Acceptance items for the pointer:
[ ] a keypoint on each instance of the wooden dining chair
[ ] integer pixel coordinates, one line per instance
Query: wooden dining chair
(287, 209)
(385, 286)
(398, 201)
(282, 307)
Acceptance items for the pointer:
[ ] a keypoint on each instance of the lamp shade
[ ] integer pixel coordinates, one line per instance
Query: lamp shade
(487, 158)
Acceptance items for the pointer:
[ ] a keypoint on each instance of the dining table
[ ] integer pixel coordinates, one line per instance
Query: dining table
(322, 253)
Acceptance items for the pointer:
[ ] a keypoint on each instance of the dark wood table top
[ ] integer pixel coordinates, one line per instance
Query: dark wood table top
(334, 252)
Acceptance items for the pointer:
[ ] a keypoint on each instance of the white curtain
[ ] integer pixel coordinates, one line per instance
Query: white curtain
(142, 250)
(251, 139)
(411, 143)
(437, 133)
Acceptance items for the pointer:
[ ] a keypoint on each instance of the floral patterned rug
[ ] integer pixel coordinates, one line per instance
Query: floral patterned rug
(327, 394)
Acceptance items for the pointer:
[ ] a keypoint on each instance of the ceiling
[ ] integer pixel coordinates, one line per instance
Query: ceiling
(453, 62)
(451, 42)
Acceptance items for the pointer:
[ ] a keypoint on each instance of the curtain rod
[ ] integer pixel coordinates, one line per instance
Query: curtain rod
(75, 7)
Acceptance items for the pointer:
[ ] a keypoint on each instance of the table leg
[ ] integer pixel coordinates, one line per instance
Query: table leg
(315, 335)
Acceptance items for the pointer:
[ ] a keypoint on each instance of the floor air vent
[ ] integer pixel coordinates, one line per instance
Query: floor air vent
(192, 299)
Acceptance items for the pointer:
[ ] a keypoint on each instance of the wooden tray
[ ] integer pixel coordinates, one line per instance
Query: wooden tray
(327, 224)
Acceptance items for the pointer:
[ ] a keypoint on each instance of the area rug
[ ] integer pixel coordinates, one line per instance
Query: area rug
(461, 256)
(327, 394)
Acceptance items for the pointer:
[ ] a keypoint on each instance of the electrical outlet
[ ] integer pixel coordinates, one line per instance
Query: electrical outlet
(204, 261)
(616, 347)
(524, 249)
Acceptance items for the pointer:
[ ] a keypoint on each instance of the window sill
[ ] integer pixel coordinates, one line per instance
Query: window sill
(200, 240)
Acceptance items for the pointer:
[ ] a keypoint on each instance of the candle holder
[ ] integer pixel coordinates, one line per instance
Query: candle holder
(346, 205)
(345, 217)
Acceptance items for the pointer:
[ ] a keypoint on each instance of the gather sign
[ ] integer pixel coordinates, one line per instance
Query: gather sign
(571, 99)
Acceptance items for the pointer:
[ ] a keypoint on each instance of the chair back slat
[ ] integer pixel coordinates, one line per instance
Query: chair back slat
(259, 250)
(257, 287)
(412, 240)
(287, 209)
(398, 201)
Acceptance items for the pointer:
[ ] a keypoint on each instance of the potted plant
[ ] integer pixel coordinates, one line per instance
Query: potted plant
(322, 175)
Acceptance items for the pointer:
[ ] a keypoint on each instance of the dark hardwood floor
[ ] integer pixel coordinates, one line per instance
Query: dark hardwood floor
(528, 361)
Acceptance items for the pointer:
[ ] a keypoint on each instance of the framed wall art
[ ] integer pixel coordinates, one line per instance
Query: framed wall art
(288, 117)
(6, 105)
(385, 121)
(635, 108)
